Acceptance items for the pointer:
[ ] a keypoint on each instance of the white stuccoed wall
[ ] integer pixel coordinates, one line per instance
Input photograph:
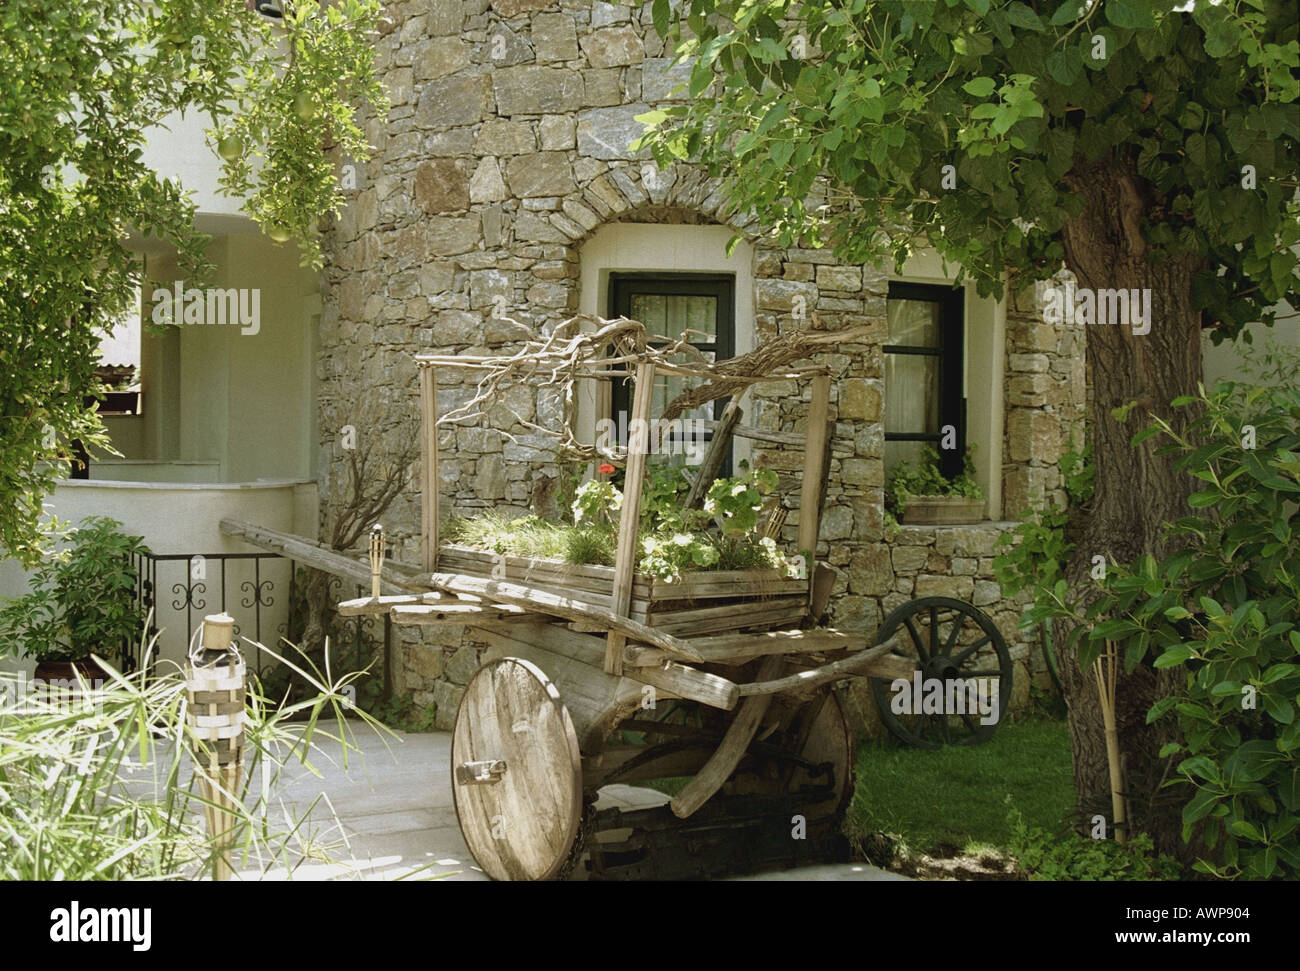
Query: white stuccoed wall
(184, 518)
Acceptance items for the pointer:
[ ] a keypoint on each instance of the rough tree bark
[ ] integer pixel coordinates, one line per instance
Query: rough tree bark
(1136, 492)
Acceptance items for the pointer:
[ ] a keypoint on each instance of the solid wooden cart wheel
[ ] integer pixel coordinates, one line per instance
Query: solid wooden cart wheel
(951, 641)
(516, 772)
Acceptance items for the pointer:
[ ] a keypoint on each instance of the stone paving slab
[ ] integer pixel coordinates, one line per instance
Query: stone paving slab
(393, 804)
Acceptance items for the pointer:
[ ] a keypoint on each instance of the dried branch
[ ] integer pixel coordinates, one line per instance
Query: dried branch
(612, 350)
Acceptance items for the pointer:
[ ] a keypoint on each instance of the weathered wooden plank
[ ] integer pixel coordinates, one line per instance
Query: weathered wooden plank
(814, 465)
(758, 615)
(728, 755)
(676, 679)
(598, 701)
(713, 583)
(875, 662)
(532, 598)
(739, 648)
(714, 456)
(427, 615)
(794, 439)
(591, 590)
(695, 585)
(429, 466)
(822, 584)
(771, 583)
(592, 576)
(377, 605)
(630, 514)
(310, 553)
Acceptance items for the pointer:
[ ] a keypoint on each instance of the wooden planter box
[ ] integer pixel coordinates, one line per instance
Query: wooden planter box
(943, 510)
(706, 602)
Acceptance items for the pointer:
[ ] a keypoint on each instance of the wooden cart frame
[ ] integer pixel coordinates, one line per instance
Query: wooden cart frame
(576, 653)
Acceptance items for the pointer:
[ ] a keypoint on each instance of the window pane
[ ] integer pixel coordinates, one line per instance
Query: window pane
(911, 393)
(914, 323)
(666, 315)
(896, 452)
(668, 387)
(652, 310)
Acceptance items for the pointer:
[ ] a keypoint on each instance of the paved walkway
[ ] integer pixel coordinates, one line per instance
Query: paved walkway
(393, 817)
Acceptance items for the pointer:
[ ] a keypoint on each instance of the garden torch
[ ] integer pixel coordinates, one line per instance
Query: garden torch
(216, 679)
(376, 558)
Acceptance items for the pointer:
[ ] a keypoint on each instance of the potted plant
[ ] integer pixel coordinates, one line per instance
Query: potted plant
(923, 495)
(82, 602)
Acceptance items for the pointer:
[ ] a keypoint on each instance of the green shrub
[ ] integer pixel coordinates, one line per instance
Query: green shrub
(1227, 612)
(100, 788)
(1225, 609)
(672, 539)
(82, 599)
(1069, 856)
(906, 480)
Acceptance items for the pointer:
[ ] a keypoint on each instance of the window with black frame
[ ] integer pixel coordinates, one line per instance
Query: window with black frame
(923, 375)
(668, 305)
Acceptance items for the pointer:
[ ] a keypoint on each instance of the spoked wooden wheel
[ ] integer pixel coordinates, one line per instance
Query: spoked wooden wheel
(516, 772)
(964, 671)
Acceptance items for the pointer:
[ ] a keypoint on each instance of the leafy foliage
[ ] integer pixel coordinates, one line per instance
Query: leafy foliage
(82, 600)
(86, 82)
(1069, 856)
(838, 122)
(907, 480)
(672, 539)
(69, 810)
(1226, 610)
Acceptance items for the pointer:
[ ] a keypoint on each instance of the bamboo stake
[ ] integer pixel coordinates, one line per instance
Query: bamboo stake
(1106, 675)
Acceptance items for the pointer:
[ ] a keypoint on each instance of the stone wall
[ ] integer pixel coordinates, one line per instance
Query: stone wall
(1045, 397)
(504, 150)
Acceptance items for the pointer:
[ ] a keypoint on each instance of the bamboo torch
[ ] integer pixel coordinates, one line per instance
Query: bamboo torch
(216, 680)
(1106, 670)
(376, 558)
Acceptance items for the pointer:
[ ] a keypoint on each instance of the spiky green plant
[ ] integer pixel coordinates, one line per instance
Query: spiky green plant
(100, 786)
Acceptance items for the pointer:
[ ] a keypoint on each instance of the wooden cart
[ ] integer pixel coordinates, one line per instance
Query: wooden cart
(595, 675)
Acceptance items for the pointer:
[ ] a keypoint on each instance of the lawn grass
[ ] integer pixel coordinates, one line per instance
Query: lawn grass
(954, 800)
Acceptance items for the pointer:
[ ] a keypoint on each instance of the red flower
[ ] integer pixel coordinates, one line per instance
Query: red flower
(606, 469)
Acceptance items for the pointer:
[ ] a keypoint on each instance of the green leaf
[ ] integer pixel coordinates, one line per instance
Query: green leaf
(1247, 830)
(1200, 806)
(980, 87)
(1022, 16)
(660, 12)
(1134, 14)
(1202, 767)
(1173, 656)
(1067, 12)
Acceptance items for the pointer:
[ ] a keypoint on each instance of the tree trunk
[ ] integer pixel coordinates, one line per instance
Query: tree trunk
(1136, 492)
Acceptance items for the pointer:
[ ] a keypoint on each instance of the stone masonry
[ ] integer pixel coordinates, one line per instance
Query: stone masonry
(504, 150)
